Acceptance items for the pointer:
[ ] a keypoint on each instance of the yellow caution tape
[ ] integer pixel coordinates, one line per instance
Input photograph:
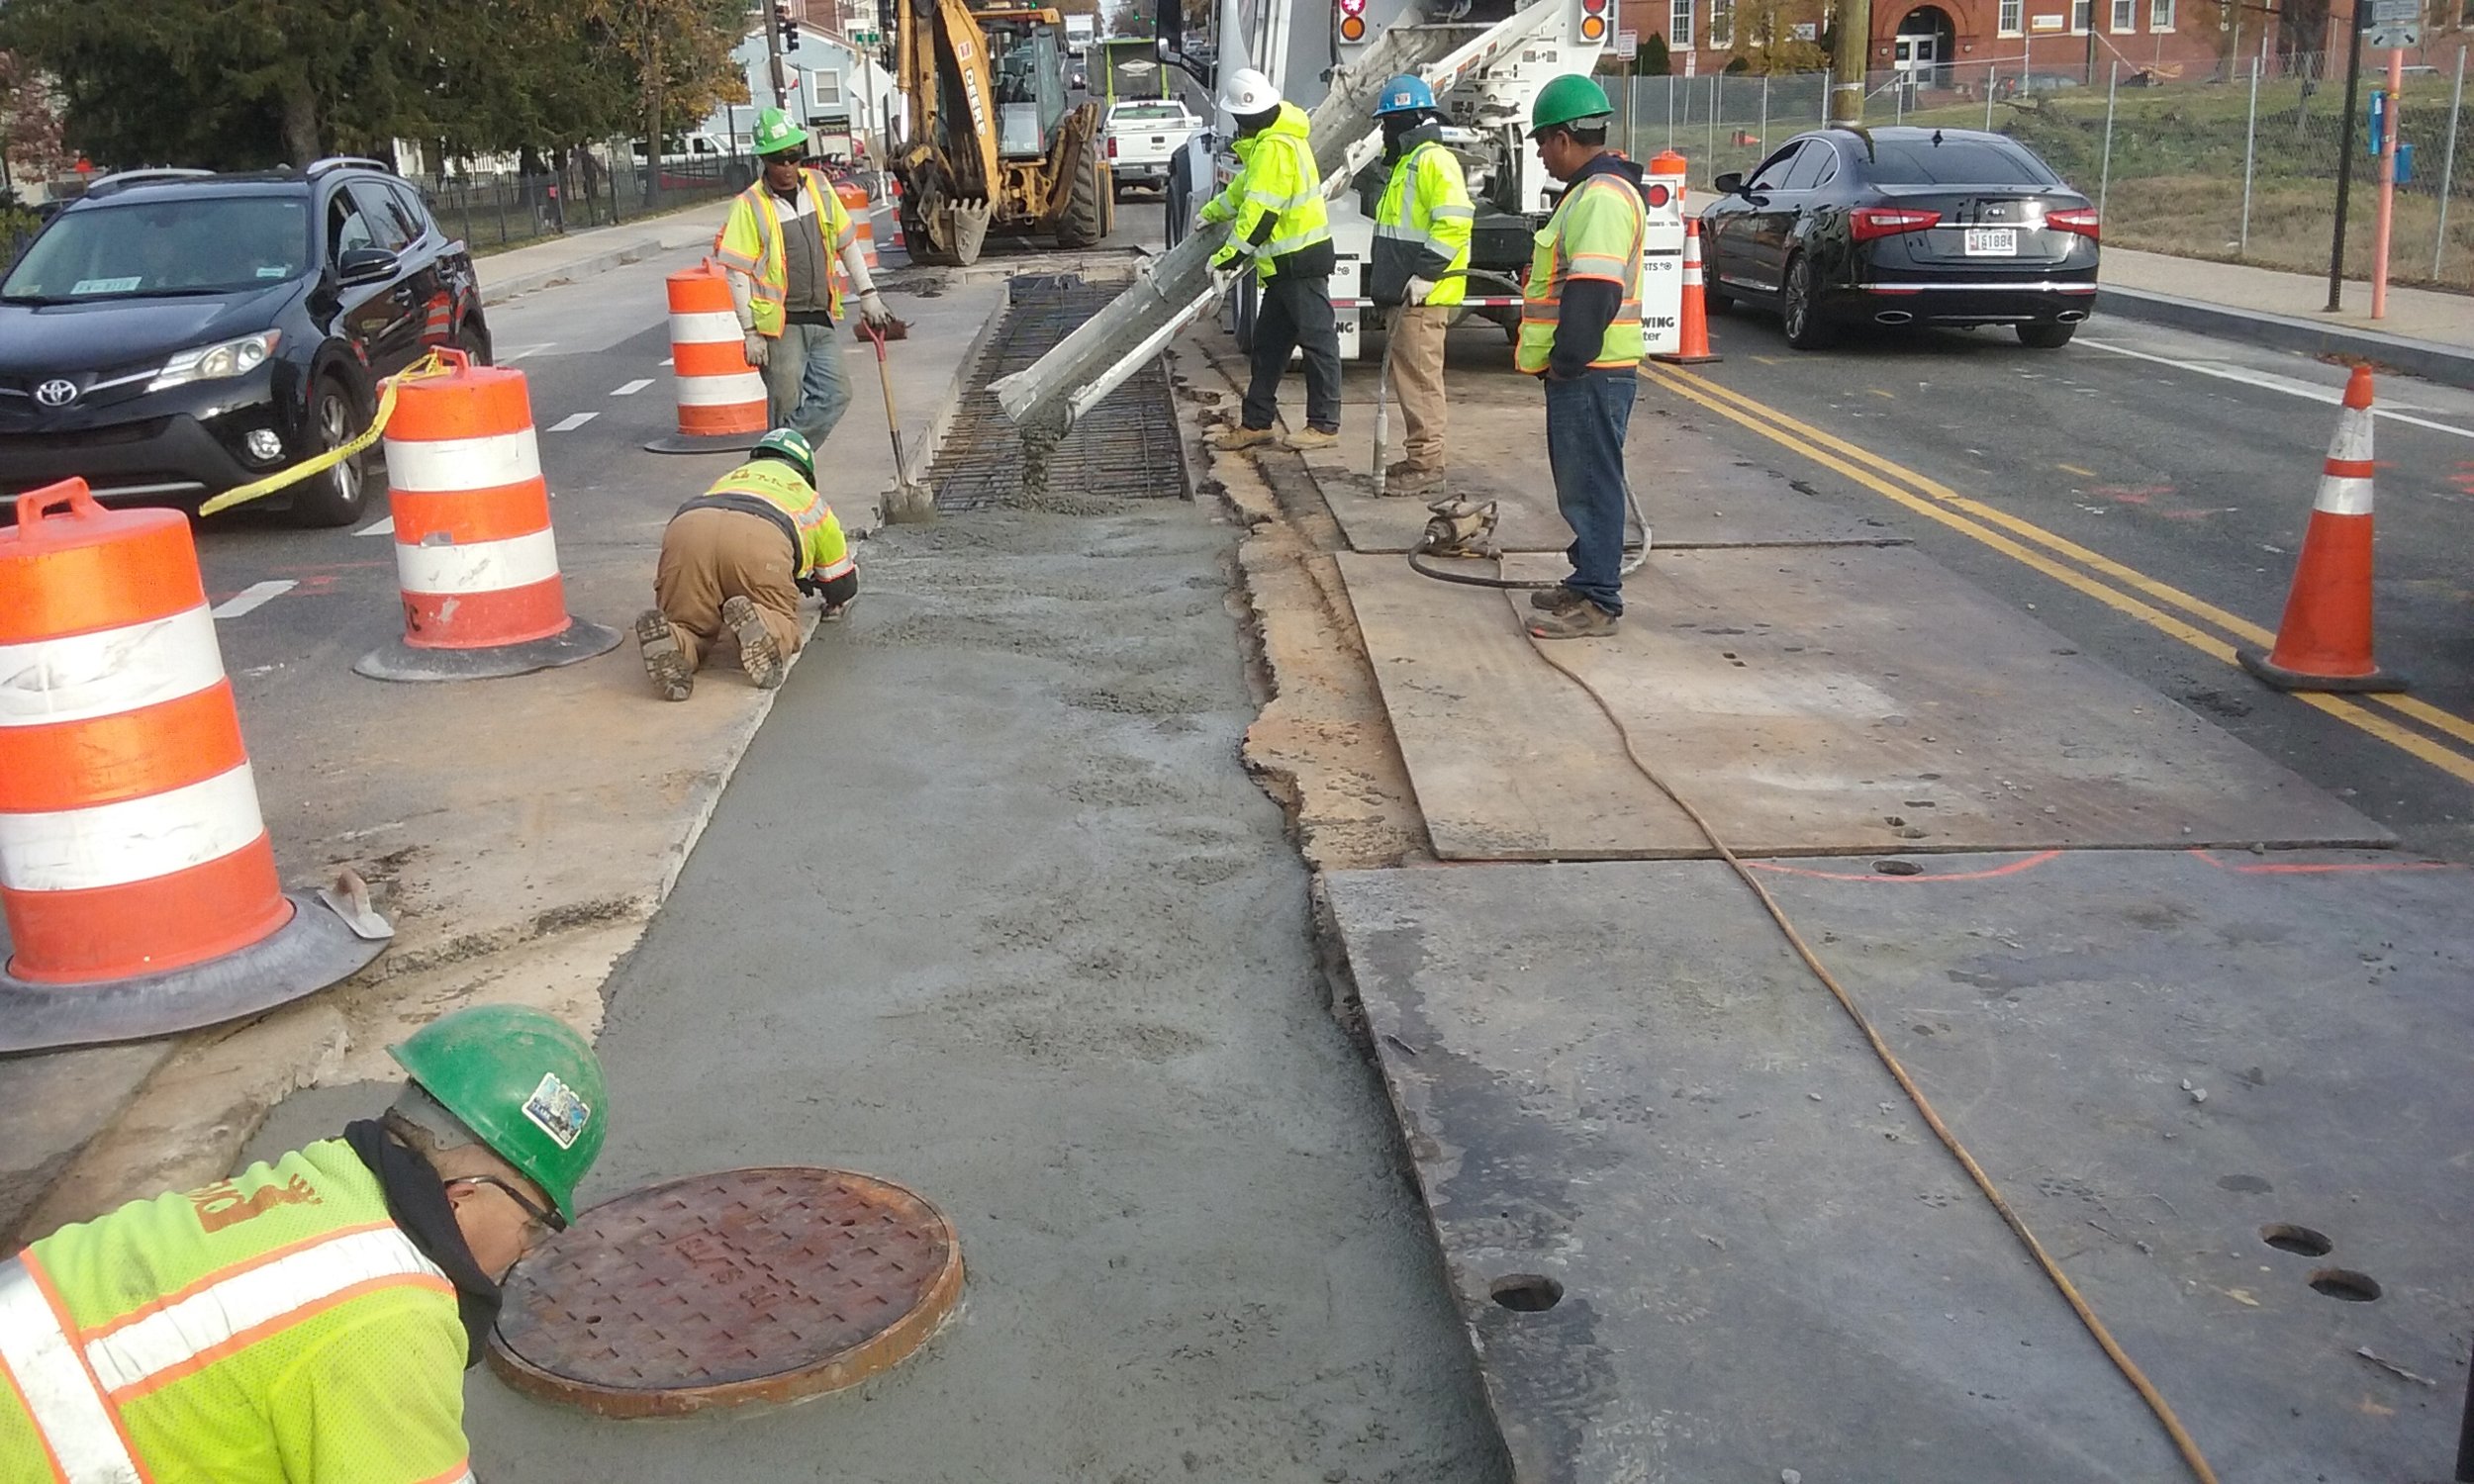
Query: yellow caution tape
(432, 364)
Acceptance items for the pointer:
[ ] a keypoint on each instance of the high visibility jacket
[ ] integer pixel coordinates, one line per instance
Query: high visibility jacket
(1275, 178)
(772, 487)
(1423, 226)
(1597, 231)
(751, 243)
(275, 1328)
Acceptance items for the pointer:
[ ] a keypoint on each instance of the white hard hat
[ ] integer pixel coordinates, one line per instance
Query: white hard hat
(1247, 91)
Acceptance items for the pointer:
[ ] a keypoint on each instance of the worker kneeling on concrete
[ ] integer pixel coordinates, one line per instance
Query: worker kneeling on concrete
(1420, 262)
(737, 557)
(308, 1319)
(1580, 331)
(1276, 222)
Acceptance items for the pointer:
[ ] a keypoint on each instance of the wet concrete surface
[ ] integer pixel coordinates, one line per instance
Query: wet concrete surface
(992, 909)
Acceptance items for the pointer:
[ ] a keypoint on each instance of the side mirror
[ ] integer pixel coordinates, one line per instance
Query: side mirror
(1728, 184)
(1169, 26)
(365, 265)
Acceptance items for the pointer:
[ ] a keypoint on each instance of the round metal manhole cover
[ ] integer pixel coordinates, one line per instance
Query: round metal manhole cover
(747, 1285)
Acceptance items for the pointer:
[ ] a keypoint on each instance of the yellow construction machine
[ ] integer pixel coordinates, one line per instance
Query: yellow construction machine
(991, 143)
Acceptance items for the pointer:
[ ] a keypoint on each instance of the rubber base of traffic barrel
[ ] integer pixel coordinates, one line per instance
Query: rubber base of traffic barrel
(2295, 680)
(313, 951)
(704, 442)
(399, 661)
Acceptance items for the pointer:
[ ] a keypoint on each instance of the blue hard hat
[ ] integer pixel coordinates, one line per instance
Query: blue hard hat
(1406, 94)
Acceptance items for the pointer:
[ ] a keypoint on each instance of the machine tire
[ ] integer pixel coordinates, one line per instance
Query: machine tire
(1086, 219)
(1798, 314)
(339, 495)
(474, 342)
(2045, 336)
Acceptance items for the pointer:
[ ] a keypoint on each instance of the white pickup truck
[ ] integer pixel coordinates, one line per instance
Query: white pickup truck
(1143, 135)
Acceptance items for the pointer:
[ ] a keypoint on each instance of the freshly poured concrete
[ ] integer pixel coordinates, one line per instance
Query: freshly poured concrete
(1616, 1076)
(1810, 699)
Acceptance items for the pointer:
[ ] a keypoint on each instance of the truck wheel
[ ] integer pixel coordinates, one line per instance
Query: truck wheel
(1086, 219)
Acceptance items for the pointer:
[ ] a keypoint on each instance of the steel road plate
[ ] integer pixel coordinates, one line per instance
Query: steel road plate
(745, 1285)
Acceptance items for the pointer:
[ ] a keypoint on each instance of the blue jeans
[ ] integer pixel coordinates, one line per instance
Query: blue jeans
(1587, 419)
(804, 386)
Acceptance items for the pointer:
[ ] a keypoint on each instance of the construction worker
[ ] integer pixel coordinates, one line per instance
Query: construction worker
(1275, 208)
(737, 557)
(778, 249)
(1421, 252)
(1580, 331)
(308, 1319)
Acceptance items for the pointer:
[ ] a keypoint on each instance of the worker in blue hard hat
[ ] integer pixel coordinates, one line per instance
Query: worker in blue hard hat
(1421, 254)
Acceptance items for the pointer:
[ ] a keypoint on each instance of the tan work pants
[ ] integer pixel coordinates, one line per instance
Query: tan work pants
(709, 557)
(1418, 381)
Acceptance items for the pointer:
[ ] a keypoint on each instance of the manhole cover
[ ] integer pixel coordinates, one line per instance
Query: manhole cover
(748, 1286)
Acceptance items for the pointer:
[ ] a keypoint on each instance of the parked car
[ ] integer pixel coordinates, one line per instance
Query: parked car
(1142, 135)
(1948, 227)
(173, 333)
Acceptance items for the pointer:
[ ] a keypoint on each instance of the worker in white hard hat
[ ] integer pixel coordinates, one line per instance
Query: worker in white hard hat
(1276, 222)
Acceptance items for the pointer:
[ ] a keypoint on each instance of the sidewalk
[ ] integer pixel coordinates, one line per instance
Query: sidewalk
(2425, 332)
(580, 255)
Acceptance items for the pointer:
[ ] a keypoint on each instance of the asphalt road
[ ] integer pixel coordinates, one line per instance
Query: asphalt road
(2143, 491)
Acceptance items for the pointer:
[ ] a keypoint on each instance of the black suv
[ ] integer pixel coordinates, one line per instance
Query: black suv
(173, 333)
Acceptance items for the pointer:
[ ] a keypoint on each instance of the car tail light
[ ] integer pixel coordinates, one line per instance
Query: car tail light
(1871, 222)
(1112, 147)
(2081, 220)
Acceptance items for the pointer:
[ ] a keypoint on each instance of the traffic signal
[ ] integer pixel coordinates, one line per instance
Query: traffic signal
(787, 23)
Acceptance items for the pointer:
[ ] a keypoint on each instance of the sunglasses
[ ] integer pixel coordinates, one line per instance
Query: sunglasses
(549, 1219)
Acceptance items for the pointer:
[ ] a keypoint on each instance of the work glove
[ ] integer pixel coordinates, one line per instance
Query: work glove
(873, 312)
(759, 349)
(1419, 288)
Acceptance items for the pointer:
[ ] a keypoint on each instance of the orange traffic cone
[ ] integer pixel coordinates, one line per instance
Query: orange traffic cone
(1694, 342)
(2325, 640)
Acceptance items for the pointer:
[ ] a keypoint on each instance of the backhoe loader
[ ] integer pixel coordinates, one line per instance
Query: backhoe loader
(992, 144)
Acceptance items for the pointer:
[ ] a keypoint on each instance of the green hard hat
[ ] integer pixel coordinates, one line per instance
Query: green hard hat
(523, 1081)
(794, 449)
(1568, 99)
(777, 135)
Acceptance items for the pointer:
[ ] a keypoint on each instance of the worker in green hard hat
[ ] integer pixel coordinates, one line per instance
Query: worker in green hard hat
(778, 249)
(1581, 331)
(311, 1318)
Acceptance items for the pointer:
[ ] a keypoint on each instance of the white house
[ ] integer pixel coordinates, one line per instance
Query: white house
(833, 86)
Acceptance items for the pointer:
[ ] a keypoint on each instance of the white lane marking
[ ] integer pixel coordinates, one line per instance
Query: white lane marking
(669, 360)
(632, 388)
(2268, 381)
(254, 597)
(570, 424)
(521, 351)
(384, 526)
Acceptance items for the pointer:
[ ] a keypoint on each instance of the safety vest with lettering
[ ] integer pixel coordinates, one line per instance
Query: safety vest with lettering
(752, 241)
(275, 1328)
(774, 490)
(1422, 227)
(1597, 231)
(1276, 176)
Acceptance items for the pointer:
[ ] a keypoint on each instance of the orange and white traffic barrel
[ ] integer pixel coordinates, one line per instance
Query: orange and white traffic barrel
(722, 398)
(862, 216)
(474, 554)
(136, 873)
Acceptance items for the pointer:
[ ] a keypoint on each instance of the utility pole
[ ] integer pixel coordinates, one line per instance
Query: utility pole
(773, 50)
(2345, 162)
(1850, 57)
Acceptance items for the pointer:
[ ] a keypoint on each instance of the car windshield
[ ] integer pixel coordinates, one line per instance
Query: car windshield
(1148, 113)
(1955, 162)
(197, 245)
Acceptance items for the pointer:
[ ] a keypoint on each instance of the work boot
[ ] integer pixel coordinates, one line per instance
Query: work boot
(1313, 437)
(1583, 620)
(1409, 479)
(662, 659)
(759, 656)
(1555, 600)
(1230, 439)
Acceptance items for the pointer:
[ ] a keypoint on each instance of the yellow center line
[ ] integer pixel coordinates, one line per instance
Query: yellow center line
(1945, 507)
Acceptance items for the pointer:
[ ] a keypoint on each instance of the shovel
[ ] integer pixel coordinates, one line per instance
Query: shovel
(909, 500)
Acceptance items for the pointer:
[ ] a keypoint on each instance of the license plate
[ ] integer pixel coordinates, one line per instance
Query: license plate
(1992, 241)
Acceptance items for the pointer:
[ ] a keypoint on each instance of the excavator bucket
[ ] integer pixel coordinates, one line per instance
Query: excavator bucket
(964, 229)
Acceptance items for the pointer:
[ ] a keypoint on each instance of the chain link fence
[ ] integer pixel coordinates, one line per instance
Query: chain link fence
(1726, 120)
(600, 186)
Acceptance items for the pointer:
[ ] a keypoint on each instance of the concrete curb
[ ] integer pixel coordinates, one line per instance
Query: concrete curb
(498, 291)
(2449, 365)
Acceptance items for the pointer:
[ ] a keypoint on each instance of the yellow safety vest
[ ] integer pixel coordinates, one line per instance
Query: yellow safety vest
(823, 551)
(1597, 231)
(1426, 214)
(1275, 175)
(752, 241)
(276, 1327)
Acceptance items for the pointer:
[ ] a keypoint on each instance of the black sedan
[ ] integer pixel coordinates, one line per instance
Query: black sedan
(1948, 227)
(174, 333)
